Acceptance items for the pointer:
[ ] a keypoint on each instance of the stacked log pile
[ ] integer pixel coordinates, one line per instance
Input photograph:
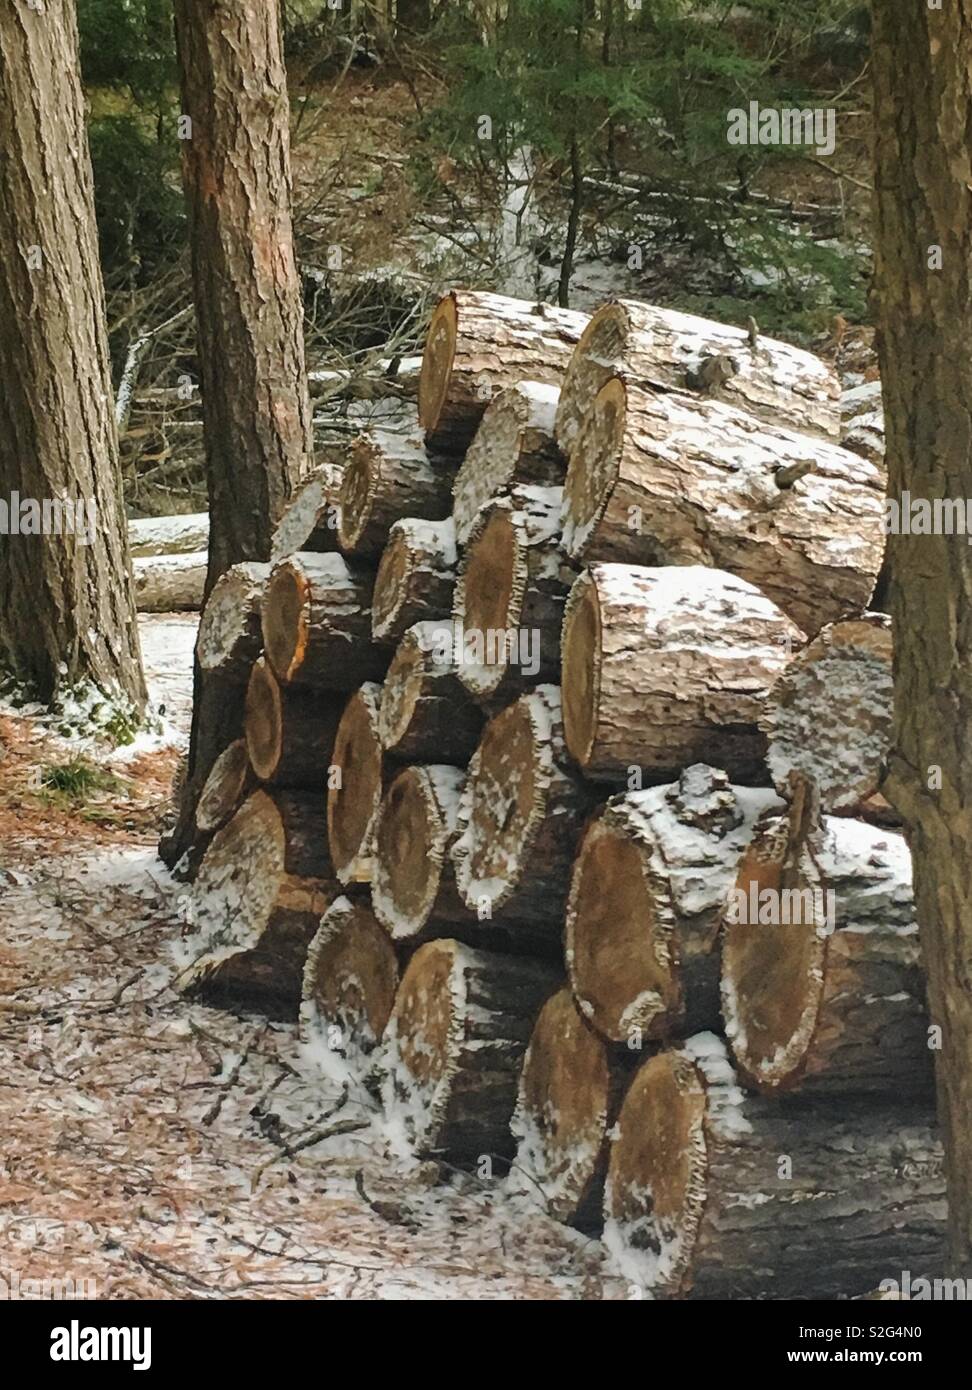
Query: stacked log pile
(547, 705)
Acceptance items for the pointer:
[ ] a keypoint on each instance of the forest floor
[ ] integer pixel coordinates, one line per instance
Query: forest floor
(156, 1148)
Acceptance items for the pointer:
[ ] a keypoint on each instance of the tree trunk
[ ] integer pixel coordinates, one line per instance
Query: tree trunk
(426, 714)
(289, 732)
(667, 667)
(477, 344)
(67, 605)
(715, 1194)
(513, 444)
(658, 479)
(317, 623)
(454, 1046)
(646, 901)
(923, 104)
(389, 476)
(416, 577)
(660, 348)
(355, 786)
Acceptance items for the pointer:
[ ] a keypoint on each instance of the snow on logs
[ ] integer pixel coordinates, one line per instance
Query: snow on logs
(290, 731)
(829, 715)
(713, 1193)
(513, 444)
(662, 668)
(426, 714)
(476, 345)
(510, 594)
(822, 987)
(389, 475)
(416, 577)
(660, 478)
(309, 521)
(170, 583)
(663, 350)
(228, 781)
(355, 786)
(229, 640)
(414, 884)
(454, 1046)
(317, 623)
(648, 890)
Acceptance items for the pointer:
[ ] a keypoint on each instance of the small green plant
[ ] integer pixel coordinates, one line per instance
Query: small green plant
(76, 780)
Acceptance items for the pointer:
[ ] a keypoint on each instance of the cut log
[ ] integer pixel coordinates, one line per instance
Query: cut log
(170, 583)
(567, 1099)
(647, 896)
(168, 535)
(355, 786)
(477, 344)
(350, 979)
(663, 668)
(513, 444)
(715, 1194)
(310, 522)
(822, 988)
(317, 623)
(454, 1046)
(426, 714)
(225, 787)
(520, 816)
(229, 630)
(510, 594)
(656, 349)
(304, 816)
(829, 714)
(414, 883)
(416, 577)
(389, 476)
(252, 920)
(289, 732)
(660, 479)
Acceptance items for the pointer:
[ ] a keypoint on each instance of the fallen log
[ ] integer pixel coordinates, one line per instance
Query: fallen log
(662, 349)
(715, 1194)
(317, 623)
(229, 639)
(658, 478)
(647, 896)
(510, 594)
(290, 731)
(426, 714)
(514, 444)
(828, 715)
(225, 787)
(479, 343)
(822, 987)
(416, 577)
(389, 476)
(309, 523)
(663, 668)
(170, 583)
(349, 984)
(168, 535)
(355, 785)
(454, 1046)
(520, 815)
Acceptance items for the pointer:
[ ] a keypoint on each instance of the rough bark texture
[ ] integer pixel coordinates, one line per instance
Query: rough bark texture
(829, 714)
(823, 990)
(416, 577)
(510, 594)
(715, 1194)
(659, 478)
(513, 444)
(923, 104)
(246, 288)
(667, 667)
(355, 786)
(225, 788)
(646, 902)
(67, 608)
(477, 344)
(310, 520)
(454, 1046)
(170, 583)
(662, 349)
(426, 714)
(520, 816)
(289, 732)
(317, 623)
(230, 634)
(389, 476)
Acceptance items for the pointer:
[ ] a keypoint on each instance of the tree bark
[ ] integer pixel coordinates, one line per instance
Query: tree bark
(667, 667)
(416, 577)
(168, 535)
(426, 714)
(389, 476)
(170, 583)
(229, 635)
(67, 605)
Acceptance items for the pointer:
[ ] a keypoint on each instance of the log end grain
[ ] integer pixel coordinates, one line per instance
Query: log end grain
(354, 795)
(415, 825)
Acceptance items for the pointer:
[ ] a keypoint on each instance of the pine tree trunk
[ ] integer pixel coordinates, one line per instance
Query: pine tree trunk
(67, 605)
(922, 59)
